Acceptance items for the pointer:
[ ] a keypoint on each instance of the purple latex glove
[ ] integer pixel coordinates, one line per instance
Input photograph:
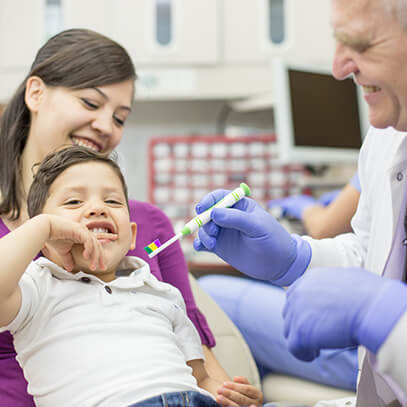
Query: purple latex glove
(252, 241)
(328, 197)
(341, 307)
(293, 206)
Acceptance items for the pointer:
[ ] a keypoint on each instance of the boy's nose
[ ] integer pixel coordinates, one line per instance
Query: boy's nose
(97, 211)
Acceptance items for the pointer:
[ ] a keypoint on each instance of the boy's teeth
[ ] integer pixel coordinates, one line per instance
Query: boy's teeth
(99, 230)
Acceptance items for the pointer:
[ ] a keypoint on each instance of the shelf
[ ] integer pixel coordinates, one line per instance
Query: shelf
(208, 163)
(253, 103)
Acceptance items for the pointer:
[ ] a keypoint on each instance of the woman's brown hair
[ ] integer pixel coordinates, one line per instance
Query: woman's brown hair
(76, 59)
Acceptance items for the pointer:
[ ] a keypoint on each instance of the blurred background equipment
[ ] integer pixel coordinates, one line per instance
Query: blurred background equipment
(318, 119)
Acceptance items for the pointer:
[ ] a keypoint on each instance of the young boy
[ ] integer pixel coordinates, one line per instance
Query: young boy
(84, 337)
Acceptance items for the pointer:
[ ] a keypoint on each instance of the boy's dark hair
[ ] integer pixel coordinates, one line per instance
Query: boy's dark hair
(75, 59)
(54, 165)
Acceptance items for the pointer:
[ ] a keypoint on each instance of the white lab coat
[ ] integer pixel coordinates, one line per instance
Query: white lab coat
(376, 246)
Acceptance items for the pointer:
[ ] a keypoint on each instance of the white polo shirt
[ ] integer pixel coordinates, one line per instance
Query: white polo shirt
(84, 342)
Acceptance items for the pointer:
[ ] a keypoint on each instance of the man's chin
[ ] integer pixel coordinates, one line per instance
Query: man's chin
(381, 120)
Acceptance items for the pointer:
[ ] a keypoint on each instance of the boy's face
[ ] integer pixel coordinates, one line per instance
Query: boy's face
(92, 194)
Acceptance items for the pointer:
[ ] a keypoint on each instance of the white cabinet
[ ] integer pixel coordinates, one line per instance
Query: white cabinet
(245, 32)
(20, 37)
(182, 49)
(20, 32)
(193, 28)
(248, 30)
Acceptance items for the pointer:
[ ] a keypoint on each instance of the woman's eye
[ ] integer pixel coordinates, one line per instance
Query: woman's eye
(120, 122)
(89, 103)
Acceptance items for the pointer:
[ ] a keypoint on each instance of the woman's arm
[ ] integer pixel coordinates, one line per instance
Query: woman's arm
(213, 367)
(203, 378)
(237, 392)
(334, 219)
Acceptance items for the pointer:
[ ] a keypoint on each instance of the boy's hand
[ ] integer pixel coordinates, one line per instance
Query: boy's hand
(64, 234)
(239, 393)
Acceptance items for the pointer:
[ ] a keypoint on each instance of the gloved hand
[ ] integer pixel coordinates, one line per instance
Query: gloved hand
(293, 206)
(328, 197)
(252, 241)
(341, 307)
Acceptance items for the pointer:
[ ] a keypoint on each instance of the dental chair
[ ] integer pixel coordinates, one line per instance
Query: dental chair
(234, 355)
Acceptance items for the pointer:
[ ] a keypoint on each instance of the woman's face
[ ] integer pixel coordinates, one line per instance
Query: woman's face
(91, 117)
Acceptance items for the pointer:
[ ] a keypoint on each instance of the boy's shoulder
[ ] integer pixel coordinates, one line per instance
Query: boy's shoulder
(136, 270)
(38, 269)
(141, 271)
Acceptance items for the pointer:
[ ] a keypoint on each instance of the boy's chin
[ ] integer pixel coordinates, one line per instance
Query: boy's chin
(83, 265)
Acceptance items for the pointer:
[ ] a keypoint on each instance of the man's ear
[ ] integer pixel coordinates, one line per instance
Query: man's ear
(34, 89)
(133, 226)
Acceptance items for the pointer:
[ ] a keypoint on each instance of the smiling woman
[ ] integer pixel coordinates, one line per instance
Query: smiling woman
(79, 91)
(39, 117)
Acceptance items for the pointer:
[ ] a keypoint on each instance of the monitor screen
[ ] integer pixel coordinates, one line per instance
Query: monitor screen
(318, 119)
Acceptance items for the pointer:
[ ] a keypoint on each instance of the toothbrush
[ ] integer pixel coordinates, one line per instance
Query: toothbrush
(198, 221)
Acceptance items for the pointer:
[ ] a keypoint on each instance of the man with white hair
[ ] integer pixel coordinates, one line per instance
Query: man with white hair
(347, 290)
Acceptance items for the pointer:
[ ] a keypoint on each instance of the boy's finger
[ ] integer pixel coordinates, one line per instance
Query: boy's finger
(241, 379)
(68, 262)
(237, 397)
(247, 389)
(88, 249)
(92, 250)
(102, 258)
(88, 242)
(224, 401)
(98, 258)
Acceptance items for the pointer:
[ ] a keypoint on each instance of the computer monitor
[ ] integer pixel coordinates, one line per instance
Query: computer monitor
(318, 119)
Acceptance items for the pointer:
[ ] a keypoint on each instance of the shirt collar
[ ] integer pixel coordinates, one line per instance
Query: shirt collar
(139, 276)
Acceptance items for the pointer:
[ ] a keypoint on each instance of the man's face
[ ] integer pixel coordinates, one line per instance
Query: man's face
(91, 193)
(372, 45)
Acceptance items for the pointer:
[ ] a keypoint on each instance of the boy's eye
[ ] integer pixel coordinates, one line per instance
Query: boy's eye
(72, 202)
(88, 103)
(113, 202)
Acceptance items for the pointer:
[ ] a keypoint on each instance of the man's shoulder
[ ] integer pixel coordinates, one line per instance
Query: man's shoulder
(389, 135)
(382, 144)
